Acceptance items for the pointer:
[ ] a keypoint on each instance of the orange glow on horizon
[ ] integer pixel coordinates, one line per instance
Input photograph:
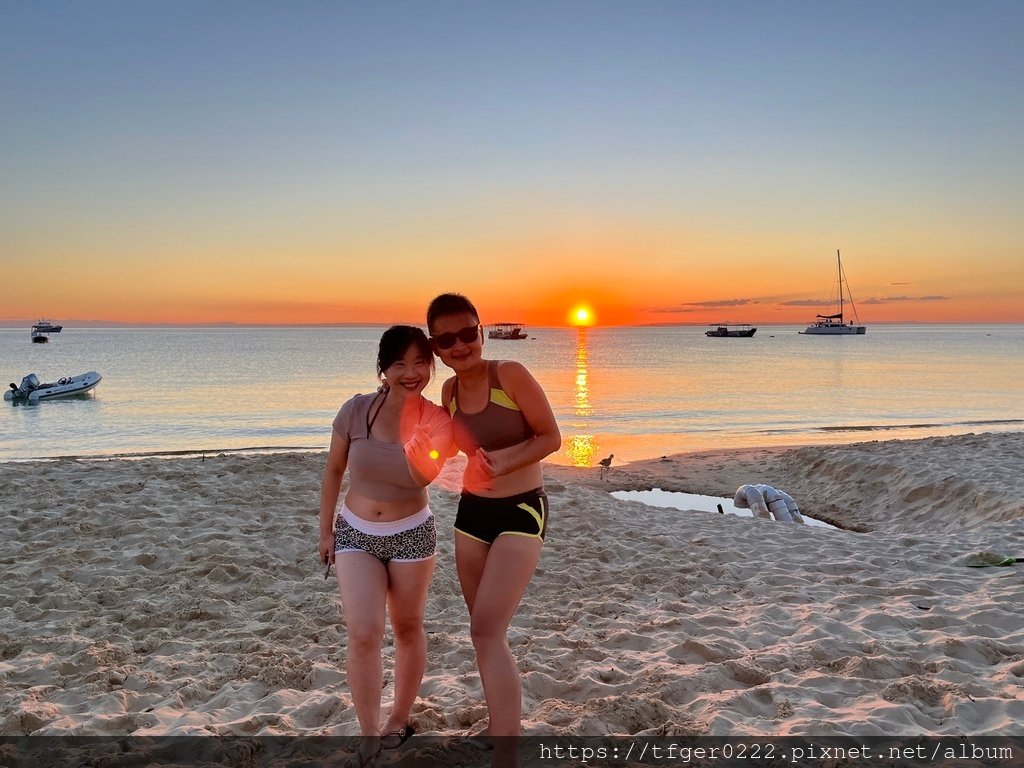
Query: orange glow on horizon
(686, 278)
(119, 306)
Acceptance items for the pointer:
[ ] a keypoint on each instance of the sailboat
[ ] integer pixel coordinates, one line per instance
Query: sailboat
(833, 325)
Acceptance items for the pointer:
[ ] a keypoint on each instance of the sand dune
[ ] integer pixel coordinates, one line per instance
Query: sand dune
(184, 596)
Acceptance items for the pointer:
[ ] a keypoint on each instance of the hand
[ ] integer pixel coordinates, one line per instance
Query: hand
(326, 548)
(494, 463)
(488, 465)
(479, 472)
(418, 447)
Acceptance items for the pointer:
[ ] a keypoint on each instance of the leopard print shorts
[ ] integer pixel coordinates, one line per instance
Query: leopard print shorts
(407, 540)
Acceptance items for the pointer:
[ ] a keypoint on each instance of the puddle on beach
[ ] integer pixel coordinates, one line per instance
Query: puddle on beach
(677, 500)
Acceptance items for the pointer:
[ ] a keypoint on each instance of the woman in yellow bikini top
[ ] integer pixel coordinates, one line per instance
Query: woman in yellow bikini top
(502, 421)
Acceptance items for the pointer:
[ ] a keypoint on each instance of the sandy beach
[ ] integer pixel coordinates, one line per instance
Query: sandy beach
(184, 596)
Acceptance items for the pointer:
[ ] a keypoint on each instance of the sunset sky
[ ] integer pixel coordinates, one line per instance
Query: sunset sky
(196, 162)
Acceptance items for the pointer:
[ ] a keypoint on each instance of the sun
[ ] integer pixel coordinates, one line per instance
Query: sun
(581, 315)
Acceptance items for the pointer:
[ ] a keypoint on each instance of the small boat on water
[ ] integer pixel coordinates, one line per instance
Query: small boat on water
(45, 326)
(506, 331)
(41, 330)
(731, 331)
(833, 325)
(32, 391)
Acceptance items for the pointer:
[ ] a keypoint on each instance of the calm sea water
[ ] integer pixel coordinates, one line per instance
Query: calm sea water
(637, 392)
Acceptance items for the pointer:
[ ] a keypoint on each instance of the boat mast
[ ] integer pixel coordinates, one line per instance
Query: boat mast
(839, 267)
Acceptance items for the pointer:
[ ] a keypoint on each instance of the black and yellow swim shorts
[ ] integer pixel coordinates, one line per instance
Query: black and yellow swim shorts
(485, 519)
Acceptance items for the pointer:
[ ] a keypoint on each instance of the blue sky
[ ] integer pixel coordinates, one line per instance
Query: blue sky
(181, 130)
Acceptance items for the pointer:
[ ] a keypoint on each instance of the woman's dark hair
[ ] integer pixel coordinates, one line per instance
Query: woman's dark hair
(396, 342)
(449, 304)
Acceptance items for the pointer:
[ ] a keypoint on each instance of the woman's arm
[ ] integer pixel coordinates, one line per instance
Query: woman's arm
(524, 390)
(330, 489)
(447, 390)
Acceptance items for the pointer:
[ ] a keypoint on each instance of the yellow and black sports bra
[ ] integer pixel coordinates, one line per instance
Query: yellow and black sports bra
(499, 425)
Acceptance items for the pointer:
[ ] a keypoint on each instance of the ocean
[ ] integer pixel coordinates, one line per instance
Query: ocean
(635, 392)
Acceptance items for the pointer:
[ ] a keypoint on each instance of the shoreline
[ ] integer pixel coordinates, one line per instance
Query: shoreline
(716, 472)
(287, 449)
(824, 432)
(177, 596)
(174, 454)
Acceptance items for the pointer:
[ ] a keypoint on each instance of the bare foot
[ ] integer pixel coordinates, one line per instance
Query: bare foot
(480, 739)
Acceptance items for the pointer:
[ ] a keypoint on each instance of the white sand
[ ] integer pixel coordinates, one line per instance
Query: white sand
(185, 597)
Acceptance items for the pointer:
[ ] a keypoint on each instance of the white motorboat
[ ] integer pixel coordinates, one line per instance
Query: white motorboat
(45, 326)
(833, 325)
(506, 331)
(31, 391)
(731, 331)
(41, 330)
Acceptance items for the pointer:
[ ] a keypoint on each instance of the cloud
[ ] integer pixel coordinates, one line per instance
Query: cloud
(899, 299)
(876, 300)
(695, 306)
(899, 283)
(721, 303)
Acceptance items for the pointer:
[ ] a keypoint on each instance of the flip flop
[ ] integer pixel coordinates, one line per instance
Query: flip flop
(395, 739)
(988, 559)
(359, 760)
(481, 740)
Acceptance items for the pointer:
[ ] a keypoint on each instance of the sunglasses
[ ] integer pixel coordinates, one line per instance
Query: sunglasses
(447, 340)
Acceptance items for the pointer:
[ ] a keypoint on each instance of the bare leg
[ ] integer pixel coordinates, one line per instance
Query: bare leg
(493, 586)
(363, 582)
(407, 597)
(470, 559)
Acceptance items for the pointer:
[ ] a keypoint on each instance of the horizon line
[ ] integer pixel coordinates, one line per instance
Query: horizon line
(15, 324)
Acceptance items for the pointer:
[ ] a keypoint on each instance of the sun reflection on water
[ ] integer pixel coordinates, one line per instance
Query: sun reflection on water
(580, 449)
(581, 405)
